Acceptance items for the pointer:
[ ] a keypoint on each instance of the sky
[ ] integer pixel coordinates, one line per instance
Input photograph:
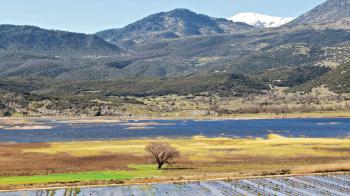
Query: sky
(90, 16)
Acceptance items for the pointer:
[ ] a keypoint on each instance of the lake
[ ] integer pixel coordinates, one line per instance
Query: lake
(66, 131)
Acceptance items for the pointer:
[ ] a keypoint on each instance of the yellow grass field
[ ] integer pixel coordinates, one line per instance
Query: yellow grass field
(199, 150)
(201, 158)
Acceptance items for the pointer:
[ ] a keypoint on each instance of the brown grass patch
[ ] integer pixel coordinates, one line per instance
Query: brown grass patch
(224, 150)
(15, 162)
(334, 149)
(324, 168)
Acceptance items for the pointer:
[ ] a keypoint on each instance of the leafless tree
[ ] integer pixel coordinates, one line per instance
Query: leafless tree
(161, 153)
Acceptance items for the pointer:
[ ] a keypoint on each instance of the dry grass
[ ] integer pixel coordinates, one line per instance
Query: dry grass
(324, 168)
(15, 162)
(201, 154)
(201, 157)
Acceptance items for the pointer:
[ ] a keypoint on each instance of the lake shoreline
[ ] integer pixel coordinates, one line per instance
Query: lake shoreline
(118, 119)
(111, 128)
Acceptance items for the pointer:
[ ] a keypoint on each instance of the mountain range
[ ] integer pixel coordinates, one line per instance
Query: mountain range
(182, 45)
(171, 25)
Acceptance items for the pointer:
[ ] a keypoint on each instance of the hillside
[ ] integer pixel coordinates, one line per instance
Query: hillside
(180, 43)
(55, 96)
(170, 25)
(330, 11)
(29, 51)
(292, 76)
(230, 84)
(337, 80)
(34, 40)
(244, 53)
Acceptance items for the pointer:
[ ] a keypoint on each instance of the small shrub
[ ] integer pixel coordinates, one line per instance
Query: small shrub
(7, 114)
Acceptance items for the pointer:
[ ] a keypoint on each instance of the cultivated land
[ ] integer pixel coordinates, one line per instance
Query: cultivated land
(333, 184)
(124, 161)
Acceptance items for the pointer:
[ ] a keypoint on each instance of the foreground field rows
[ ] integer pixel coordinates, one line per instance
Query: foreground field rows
(332, 185)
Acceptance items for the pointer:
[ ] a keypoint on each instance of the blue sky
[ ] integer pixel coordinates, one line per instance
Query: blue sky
(90, 16)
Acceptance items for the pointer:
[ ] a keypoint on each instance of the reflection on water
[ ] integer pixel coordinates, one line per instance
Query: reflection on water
(328, 123)
(66, 192)
(109, 130)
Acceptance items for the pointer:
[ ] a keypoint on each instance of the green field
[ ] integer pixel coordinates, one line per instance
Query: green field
(137, 171)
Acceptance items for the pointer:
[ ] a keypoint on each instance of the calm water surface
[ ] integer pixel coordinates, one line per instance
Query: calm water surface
(333, 127)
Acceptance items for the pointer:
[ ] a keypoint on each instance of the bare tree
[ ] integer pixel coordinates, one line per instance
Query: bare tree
(161, 153)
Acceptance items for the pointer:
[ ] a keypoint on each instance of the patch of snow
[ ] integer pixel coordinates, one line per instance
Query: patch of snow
(260, 20)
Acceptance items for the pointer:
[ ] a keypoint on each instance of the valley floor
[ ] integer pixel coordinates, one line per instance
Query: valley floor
(124, 161)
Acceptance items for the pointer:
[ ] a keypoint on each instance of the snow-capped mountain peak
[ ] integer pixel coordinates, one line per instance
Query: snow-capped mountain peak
(260, 20)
